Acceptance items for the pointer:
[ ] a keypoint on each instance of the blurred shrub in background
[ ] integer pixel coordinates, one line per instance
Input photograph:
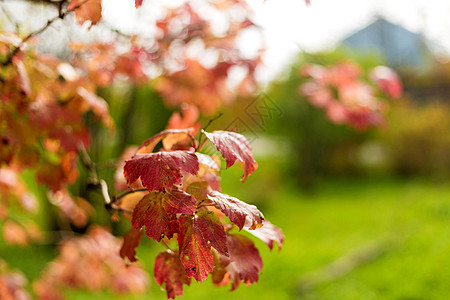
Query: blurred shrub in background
(418, 138)
(415, 142)
(316, 145)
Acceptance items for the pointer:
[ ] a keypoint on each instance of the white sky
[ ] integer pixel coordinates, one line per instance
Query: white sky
(287, 25)
(291, 25)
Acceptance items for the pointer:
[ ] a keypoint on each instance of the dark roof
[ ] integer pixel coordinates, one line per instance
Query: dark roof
(399, 46)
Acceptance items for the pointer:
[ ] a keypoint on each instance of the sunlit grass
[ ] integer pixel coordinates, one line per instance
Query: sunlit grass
(341, 216)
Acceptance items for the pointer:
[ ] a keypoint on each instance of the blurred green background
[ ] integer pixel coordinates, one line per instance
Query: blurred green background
(366, 216)
(406, 221)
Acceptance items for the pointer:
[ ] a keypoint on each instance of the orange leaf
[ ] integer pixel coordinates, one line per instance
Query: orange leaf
(86, 10)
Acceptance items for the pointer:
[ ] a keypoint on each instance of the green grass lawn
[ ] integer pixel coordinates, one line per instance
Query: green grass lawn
(341, 216)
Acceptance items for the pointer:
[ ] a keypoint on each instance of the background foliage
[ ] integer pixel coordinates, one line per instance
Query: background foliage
(334, 191)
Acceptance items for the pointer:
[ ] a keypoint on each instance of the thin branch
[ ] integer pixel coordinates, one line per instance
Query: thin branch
(88, 164)
(93, 178)
(117, 31)
(200, 144)
(201, 202)
(44, 2)
(212, 120)
(118, 197)
(60, 7)
(10, 17)
(118, 208)
(204, 205)
(61, 15)
(192, 139)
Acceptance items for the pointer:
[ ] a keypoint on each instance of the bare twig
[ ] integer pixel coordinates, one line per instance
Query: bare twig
(10, 17)
(200, 144)
(204, 205)
(117, 31)
(201, 202)
(93, 178)
(192, 139)
(118, 197)
(88, 164)
(118, 208)
(61, 15)
(45, 2)
(212, 120)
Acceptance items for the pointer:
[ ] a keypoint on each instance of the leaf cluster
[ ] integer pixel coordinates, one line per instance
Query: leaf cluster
(183, 204)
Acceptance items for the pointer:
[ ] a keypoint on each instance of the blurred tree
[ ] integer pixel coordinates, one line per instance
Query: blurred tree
(347, 92)
(57, 129)
(418, 139)
(50, 134)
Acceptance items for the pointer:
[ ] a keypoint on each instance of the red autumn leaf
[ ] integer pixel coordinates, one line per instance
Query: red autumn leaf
(14, 234)
(148, 145)
(90, 262)
(187, 118)
(138, 3)
(238, 211)
(209, 170)
(337, 112)
(388, 81)
(234, 146)
(157, 212)
(130, 243)
(362, 119)
(131, 64)
(269, 233)
(207, 161)
(120, 182)
(205, 174)
(129, 202)
(198, 189)
(245, 261)
(54, 175)
(169, 270)
(318, 95)
(12, 284)
(346, 96)
(200, 233)
(160, 171)
(219, 275)
(70, 137)
(86, 10)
